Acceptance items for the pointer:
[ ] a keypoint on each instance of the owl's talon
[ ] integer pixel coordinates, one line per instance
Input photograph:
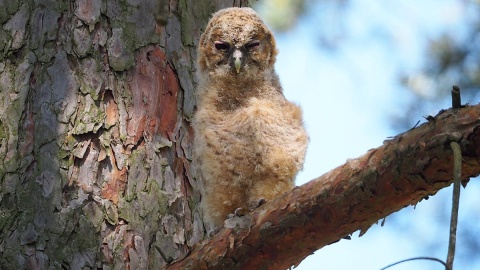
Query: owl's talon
(261, 202)
(257, 204)
(214, 231)
(240, 212)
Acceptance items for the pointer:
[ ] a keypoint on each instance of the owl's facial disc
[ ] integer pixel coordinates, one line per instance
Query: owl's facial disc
(235, 53)
(241, 53)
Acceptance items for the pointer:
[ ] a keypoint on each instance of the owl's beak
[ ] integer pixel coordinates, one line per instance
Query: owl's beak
(237, 60)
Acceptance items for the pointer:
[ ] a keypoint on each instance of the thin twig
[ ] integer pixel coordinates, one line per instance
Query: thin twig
(457, 175)
(416, 258)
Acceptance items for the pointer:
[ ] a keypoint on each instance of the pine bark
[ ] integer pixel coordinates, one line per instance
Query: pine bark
(95, 142)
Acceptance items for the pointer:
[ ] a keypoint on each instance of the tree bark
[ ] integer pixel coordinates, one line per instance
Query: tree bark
(95, 139)
(405, 170)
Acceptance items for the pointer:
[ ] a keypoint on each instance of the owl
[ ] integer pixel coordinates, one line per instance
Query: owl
(249, 140)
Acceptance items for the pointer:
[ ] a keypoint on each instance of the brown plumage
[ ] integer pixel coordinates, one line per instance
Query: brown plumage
(249, 140)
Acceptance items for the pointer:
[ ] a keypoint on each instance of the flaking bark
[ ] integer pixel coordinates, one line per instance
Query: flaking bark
(402, 172)
(95, 141)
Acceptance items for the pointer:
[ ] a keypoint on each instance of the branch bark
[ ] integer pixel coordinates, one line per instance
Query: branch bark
(402, 172)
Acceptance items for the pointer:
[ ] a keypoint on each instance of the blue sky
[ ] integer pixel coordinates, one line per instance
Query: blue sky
(349, 95)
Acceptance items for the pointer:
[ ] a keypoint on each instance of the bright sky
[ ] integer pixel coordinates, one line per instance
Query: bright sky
(348, 96)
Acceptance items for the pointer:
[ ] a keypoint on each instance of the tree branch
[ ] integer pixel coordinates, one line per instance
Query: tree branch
(352, 197)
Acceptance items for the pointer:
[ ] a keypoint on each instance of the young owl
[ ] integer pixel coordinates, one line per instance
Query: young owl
(249, 140)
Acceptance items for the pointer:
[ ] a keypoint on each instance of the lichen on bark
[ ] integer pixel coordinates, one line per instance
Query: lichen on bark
(94, 133)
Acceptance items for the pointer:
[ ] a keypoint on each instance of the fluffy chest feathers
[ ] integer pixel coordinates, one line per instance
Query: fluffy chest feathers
(248, 129)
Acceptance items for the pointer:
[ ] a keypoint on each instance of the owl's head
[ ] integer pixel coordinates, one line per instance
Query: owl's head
(237, 43)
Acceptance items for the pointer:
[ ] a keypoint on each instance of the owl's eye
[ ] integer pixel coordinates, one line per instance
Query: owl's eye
(221, 46)
(252, 45)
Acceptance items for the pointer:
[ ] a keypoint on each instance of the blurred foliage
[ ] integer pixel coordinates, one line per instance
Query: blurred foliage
(281, 15)
(450, 59)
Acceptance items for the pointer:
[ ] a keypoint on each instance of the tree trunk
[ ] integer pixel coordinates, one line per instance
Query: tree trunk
(95, 141)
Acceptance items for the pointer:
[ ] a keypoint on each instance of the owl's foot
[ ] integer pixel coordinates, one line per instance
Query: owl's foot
(257, 204)
(213, 231)
(239, 219)
(239, 212)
